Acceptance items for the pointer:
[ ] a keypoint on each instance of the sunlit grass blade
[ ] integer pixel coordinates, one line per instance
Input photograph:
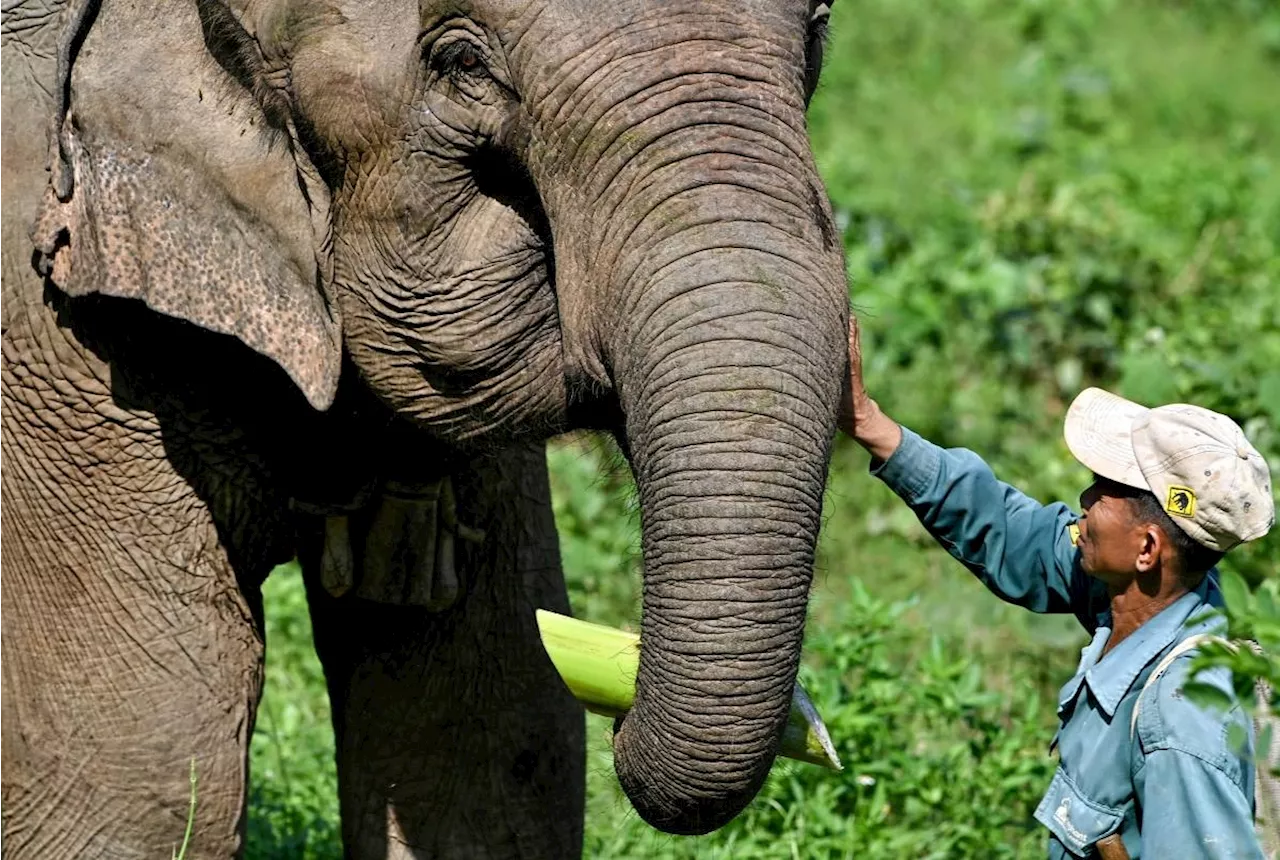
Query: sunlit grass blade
(598, 664)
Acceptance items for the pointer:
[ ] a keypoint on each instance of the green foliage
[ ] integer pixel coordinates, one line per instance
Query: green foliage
(594, 503)
(1091, 199)
(1251, 617)
(1035, 196)
(293, 786)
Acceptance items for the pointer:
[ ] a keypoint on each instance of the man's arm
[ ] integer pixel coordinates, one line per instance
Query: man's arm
(1023, 551)
(1018, 548)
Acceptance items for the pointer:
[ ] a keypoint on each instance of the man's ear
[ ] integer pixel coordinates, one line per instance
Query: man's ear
(187, 192)
(1151, 545)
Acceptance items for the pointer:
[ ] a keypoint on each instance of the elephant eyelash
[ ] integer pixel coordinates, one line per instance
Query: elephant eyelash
(460, 59)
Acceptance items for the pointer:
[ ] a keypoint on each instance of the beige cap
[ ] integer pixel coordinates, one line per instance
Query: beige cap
(1197, 462)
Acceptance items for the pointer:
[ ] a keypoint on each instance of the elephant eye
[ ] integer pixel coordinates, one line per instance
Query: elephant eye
(461, 58)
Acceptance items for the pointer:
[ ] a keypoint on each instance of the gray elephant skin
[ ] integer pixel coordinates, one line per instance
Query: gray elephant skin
(318, 279)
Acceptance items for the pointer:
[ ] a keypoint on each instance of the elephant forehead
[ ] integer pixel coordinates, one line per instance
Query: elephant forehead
(352, 63)
(586, 80)
(624, 12)
(572, 27)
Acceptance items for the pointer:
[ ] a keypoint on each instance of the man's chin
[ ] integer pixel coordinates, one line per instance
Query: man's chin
(1108, 577)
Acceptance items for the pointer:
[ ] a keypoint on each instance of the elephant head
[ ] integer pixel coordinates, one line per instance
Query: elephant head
(516, 218)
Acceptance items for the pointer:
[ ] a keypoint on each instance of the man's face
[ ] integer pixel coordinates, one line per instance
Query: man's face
(1110, 536)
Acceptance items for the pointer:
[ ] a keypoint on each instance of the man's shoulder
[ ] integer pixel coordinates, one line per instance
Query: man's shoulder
(1219, 732)
(1187, 720)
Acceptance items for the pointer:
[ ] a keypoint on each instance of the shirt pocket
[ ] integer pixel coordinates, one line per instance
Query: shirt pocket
(1076, 820)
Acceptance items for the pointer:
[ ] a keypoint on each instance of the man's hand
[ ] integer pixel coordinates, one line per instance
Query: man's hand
(855, 405)
(860, 416)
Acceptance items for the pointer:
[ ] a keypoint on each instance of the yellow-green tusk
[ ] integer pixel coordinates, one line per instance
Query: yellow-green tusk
(598, 664)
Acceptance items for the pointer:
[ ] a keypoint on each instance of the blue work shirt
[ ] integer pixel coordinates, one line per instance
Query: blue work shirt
(1177, 788)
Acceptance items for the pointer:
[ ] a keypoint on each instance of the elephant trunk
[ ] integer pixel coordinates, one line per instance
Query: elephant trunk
(726, 352)
(729, 416)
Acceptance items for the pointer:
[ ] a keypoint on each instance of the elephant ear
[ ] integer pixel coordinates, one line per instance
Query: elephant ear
(172, 182)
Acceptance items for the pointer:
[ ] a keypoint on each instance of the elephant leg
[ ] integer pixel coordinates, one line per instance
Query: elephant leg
(455, 737)
(138, 524)
(130, 654)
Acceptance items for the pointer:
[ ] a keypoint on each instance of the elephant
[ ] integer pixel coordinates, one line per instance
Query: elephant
(319, 279)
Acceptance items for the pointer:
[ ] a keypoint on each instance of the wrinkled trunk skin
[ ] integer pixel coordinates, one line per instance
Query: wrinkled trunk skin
(723, 339)
(729, 438)
(729, 420)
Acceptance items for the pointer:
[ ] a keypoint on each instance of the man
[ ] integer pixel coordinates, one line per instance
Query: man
(1174, 488)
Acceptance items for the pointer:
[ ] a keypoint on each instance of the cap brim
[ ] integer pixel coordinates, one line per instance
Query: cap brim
(1099, 433)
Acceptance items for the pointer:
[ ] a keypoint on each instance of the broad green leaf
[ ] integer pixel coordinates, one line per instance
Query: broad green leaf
(1267, 608)
(1236, 592)
(1207, 696)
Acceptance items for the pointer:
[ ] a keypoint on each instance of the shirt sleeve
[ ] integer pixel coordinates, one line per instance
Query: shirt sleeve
(1191, 808)
(1020, 549)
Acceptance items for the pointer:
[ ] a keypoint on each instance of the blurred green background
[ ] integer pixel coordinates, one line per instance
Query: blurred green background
(1035, 196)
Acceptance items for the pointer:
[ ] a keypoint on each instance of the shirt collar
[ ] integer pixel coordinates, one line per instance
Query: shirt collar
(1111, 679)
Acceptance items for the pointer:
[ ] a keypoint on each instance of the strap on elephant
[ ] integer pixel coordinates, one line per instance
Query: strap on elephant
(356, 502)
(403, 545)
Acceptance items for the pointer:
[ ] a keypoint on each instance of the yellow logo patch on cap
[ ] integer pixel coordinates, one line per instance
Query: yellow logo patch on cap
(1073, 531)
(1180, 501)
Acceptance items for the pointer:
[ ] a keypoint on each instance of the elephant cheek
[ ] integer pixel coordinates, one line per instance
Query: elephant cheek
(472, 355)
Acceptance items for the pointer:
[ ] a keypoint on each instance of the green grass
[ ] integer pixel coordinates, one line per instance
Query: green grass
(180, 852)
(293, 787)
(1036, 196)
